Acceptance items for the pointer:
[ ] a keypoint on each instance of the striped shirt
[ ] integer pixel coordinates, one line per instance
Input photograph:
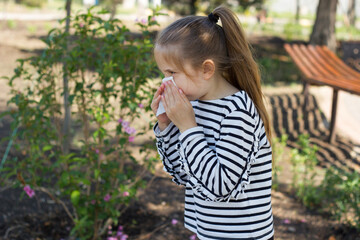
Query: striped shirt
(225, 165)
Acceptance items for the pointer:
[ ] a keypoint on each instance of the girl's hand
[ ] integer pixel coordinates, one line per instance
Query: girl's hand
(163, 119)
(178, 108)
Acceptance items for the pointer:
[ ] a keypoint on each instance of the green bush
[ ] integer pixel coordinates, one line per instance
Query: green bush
(341, 196)
(338, 193)
(303, 168)
(275, 70)
(278, 146)
(109, 72)
(292, 31)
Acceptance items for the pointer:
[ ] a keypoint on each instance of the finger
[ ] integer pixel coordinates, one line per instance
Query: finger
(155, 103)
(174, 90)
(159, 91)
(157, 100)
(169, 93)
(164, 102)
(182, 95)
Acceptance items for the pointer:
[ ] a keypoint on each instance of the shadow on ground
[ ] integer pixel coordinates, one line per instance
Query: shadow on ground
(291, 117)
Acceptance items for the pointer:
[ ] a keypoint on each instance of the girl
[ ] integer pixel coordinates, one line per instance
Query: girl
(214, 136)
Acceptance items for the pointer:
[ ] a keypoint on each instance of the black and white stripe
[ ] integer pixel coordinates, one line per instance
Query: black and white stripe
(225, 163)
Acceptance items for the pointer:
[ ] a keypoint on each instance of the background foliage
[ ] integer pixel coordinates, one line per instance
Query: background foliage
(109, 69)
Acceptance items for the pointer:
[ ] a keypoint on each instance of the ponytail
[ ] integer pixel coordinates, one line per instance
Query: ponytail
(244, 72)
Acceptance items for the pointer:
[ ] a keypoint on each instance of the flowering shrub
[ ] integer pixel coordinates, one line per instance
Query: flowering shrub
(108, 70)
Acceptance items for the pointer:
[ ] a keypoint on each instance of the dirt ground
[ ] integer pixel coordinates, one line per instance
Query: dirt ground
(149, 217)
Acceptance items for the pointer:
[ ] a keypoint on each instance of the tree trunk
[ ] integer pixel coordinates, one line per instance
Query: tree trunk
(297, 16)
(351, 12)
(323, 32)
(193, 7)
(67, 119)
(114, 5)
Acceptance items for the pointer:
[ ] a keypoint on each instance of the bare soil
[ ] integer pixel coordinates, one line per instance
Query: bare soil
(149, 216)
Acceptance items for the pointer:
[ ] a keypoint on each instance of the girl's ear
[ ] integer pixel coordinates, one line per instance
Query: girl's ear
(208, 67)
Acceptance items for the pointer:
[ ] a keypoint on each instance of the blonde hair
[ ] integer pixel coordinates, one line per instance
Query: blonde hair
(200, 38)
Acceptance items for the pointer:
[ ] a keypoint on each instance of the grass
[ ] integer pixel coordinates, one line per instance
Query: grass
(290, 15)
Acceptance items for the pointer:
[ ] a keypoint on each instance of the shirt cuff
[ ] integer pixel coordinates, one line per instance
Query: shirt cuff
(163, 133)
(190, 134)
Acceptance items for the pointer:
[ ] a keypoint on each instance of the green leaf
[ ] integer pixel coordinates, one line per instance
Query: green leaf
(96, 173)
(75, 197)
(47, 148)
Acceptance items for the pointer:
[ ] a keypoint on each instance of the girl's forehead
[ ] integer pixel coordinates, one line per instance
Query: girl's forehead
(166, 57)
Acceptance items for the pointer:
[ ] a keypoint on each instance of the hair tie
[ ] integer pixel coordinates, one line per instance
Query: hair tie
(213, 18)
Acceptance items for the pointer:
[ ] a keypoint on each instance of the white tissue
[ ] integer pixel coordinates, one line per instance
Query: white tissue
(161, 108)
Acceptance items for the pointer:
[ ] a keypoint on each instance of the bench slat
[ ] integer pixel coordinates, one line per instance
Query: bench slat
(331, 60)
(298, 61)
(337, 84)
(347, 70)
(318, 68)
(331, 70)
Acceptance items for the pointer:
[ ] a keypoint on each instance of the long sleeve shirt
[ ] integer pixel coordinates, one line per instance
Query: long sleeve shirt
(225, 165)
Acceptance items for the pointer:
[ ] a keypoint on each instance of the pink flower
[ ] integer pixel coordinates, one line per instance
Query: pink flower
(111, 238)
(124, 237)
(153, 19)
(174, 221)
(141, 105)
(125, 124)
(286, 221)
(29, 191)
(81, 25)
(192, 237)
(120, 228)
(143, 21)
(130, 130)
(107, 197)
(131, 138)
(97, 151)
(120, 120)
(136, 20)
(303, 220)
(93, 202)
(126, 194)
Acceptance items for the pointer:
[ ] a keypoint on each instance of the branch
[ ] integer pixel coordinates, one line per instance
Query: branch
(57, 200)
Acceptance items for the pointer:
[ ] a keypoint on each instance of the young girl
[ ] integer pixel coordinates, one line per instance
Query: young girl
(214, 136)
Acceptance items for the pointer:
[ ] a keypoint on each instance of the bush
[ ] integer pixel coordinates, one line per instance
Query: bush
(338, 193)
(303, 167)
(278, 146)
(32, 3)
(341, 196)
(109, 72)
(292, 31)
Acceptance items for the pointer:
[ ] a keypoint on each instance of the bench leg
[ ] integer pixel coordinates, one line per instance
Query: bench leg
(333, 116)
(305, 92)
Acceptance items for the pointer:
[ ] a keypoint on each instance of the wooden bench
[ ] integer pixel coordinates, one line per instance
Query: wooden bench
(320, 66)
